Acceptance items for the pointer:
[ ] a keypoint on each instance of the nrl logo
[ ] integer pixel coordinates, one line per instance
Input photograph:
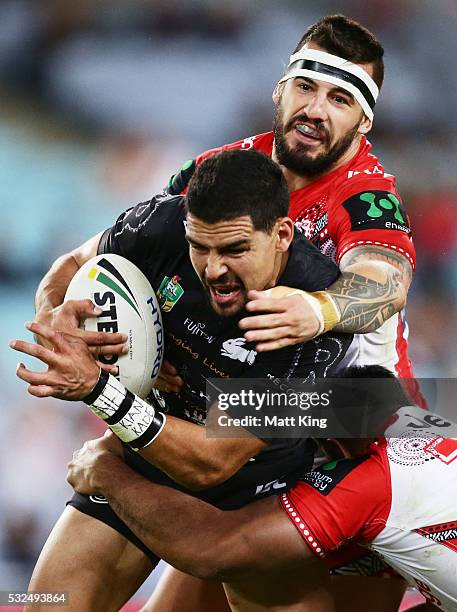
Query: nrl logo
(169, 292)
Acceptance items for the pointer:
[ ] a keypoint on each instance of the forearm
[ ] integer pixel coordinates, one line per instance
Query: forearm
(367, 298)
(373, 286)
(179, 448)
(185, 452)
(194, 536)
(52, 288)
(180, 529)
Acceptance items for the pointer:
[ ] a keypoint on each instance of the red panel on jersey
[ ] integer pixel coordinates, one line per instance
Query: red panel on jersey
(354, 205)
(344, 501)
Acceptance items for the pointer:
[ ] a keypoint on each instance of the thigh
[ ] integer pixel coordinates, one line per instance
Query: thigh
(303, 588)
(97, 566)
(362, 593)
(179, 591)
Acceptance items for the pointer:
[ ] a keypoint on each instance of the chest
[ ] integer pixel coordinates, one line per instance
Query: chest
(310, 213)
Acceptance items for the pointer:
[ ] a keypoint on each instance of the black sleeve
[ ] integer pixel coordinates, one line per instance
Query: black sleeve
(147, 230)
(308, 268)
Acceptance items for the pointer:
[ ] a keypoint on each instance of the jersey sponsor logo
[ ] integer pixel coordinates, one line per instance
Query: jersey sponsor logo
(444, 449)
(274, 484)
(234, 349)
(197, 329)
(169, 292)
(325, 478)
(376, 210)
(442, 533)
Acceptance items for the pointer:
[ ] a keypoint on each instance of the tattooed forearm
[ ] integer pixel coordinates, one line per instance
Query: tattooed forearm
(365, 304)
(373, 287)
(364, 254)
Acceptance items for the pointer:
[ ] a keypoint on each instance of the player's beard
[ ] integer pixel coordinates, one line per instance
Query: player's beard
(231, 310)
(298, 159)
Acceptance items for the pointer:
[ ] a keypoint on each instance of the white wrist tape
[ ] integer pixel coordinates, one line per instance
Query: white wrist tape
(132, 419)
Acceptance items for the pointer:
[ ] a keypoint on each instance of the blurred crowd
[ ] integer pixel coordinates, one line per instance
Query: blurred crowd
(102, 102)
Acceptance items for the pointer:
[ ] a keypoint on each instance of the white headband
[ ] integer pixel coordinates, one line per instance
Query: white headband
(323, 66)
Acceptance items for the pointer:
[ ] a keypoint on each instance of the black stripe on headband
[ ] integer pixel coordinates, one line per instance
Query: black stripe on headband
(337, 73)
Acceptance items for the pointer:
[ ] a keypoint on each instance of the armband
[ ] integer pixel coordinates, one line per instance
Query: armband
(133, 420)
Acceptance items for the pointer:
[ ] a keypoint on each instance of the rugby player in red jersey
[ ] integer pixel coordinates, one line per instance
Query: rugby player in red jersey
(396, 496)
(341, 198)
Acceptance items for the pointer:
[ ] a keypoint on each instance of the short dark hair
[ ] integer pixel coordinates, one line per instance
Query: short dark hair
(236, 183)
(370, 393)
(346, 38)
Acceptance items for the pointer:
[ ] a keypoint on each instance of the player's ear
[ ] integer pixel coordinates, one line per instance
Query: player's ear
(365, 125)
(284, 234)
(277, 93)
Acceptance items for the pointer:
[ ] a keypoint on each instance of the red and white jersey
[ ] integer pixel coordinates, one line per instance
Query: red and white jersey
(355, 205)
(400, 500)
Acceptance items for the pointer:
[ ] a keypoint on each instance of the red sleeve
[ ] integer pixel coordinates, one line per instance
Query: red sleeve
(369, 211)
(345, 500)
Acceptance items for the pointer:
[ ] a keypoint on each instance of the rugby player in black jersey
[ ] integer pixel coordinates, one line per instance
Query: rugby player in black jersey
(202, 254)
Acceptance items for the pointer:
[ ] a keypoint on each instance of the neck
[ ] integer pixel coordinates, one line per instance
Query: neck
(298, 181)
(280, 266)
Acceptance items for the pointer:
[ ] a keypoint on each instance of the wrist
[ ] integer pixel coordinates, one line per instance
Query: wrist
(324, 308)
(330, 312)
(97, 388)
(133, 420)
(104, 472)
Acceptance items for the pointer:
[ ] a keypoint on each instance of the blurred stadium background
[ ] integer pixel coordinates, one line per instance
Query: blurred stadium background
(102, 102)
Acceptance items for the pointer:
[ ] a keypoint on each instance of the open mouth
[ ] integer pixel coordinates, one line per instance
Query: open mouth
(309, 133)
(225, 294)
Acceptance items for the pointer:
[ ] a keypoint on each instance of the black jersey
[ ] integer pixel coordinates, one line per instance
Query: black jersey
(202, 344)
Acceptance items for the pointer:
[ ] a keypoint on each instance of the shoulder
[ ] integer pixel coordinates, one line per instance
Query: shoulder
(261, 142)
(147, 227)
(160, 212)
(308, 268)
(364, 173)
(179, 181)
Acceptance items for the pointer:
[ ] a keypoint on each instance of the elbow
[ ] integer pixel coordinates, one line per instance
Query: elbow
(402, 298)
(398, 303)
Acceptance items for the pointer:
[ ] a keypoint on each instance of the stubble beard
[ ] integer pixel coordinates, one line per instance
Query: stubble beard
(298, 159)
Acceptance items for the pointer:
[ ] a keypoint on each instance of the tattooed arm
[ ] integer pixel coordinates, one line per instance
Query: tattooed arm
(372, 287)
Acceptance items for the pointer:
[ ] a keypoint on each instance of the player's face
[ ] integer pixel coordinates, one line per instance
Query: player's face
(231, 258)
(317, 126)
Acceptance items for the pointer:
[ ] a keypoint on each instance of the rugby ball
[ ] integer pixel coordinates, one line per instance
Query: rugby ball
(129, 306)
